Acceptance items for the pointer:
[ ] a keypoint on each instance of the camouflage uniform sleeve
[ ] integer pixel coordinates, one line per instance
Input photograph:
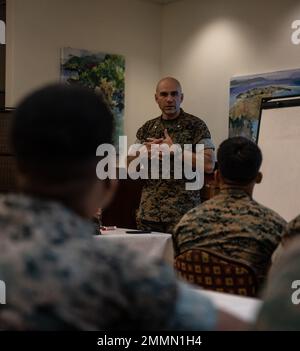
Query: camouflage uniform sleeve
(150, 297)
(183, 231)
(141, 134)
(280, 310)
(193, 311)
(292, 229)
(202, 135)
(144, 291)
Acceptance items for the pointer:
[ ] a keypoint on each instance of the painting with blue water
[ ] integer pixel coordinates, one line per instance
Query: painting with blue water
(246, 93)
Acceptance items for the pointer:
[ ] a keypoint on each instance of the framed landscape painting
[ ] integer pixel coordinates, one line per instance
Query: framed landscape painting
(246, 93)
(101, 72)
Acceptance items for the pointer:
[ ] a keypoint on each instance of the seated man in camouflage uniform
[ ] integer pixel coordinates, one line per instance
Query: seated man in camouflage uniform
(291, 231)
(165, 201)
(233, 223)
(281, 298)
(56, 276)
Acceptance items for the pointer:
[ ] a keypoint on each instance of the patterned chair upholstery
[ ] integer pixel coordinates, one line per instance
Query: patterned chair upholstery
(213, 271)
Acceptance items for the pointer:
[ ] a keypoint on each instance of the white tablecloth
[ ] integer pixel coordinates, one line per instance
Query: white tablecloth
(151, 245)
(245, 308)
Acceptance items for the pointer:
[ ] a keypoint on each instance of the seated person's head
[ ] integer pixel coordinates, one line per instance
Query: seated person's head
(239, 160)
(55, 134)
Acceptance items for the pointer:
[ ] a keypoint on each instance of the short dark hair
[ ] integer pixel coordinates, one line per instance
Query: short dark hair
(57, 129)
(239, 160)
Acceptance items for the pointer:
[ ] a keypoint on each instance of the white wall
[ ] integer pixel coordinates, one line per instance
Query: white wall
(37, 29)
(205, 43)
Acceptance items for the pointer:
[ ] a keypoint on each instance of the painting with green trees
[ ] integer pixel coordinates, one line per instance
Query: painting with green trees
(101, 72)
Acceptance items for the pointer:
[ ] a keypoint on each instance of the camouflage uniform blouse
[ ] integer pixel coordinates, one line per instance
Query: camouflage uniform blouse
(291, 231)
(167, 200)
(280, 309)
(58, 278)
(235, 225)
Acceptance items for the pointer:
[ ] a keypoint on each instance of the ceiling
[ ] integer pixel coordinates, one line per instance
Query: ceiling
(163, 2)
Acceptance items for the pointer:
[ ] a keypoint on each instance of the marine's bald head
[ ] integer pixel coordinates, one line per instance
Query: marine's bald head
(168, 80)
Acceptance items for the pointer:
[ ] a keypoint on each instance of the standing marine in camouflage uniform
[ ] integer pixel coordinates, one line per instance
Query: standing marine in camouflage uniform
(233, 223)
(165, 201)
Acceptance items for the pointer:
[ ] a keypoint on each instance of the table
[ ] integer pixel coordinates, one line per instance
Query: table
(246, 308)
(153, 245)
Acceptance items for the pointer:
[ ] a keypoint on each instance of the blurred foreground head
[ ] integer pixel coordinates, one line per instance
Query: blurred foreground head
(55, 134)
